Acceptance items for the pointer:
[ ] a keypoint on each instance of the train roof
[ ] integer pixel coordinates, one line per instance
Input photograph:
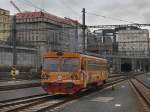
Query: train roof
(63, 54)
(70, 54)
(93, 57)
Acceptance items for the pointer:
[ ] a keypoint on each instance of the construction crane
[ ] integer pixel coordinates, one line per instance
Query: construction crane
(15, 6)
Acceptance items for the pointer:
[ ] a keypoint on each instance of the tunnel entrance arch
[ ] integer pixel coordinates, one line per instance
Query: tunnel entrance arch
(126, 67)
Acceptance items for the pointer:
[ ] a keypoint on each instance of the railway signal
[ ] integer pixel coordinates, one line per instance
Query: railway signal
(13, 72)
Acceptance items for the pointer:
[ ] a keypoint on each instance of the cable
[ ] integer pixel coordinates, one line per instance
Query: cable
(22, 1)
(29, 3)
(65, 4)
(35, 6)
(68, 7)
(111, 18)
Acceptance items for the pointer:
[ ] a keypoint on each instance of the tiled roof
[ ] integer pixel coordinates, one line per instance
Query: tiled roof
(46, 15)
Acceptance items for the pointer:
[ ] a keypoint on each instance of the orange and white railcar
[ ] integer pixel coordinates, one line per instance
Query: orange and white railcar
(70, 72)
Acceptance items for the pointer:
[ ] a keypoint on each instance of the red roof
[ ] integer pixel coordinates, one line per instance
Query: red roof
(45, 15)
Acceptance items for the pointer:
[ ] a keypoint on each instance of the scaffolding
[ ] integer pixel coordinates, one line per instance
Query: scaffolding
(38, 28)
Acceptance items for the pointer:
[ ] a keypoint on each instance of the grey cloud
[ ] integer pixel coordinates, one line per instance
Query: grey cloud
(141, 4)
(131, 10)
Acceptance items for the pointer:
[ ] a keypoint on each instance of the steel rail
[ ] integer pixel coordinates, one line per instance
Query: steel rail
(46, 101)
(23, 105)
(143, 83)
(85, 93)
(19, 99)
(142, 90)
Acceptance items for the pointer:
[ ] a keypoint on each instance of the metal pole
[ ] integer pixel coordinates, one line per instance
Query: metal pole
(148, 45)
(14, 41)
(114, 44)
(83, 27)
(76, 37)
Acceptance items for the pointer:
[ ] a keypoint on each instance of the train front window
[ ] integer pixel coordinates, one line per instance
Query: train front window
(51, 64)
(70, 64)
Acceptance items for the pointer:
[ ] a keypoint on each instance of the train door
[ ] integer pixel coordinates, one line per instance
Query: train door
(83, 74)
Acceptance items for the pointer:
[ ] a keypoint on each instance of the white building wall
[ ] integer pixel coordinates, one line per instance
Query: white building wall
(5, 58)
(23, 58)
(133, 41)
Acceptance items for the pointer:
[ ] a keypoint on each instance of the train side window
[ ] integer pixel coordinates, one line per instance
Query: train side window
(93, 65)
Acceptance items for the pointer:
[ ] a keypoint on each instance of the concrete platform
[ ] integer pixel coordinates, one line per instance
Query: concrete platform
(18, 82)
(122, 99)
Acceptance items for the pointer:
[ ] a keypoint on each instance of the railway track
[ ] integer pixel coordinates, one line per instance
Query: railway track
(37, 84)
(47, 102)
(125, 74)
(143, 83)
(20, 99)
(143, 92)
(6, 105)
(21, 86)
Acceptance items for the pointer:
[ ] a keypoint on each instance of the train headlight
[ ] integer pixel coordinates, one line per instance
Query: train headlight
(59, 77)
(44, 76)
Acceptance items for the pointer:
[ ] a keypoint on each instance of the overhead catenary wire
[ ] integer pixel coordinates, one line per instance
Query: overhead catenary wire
(25, 3)
(112, 18)
(68, 7)
(33, 5)
(29, 3)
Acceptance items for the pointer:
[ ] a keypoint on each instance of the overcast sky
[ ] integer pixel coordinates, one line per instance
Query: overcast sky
(137, 11)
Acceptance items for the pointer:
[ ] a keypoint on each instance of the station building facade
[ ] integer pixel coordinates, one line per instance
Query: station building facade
(101, 41)
(127, 48)
(133, 42)
(25, 56)
(4, 24)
